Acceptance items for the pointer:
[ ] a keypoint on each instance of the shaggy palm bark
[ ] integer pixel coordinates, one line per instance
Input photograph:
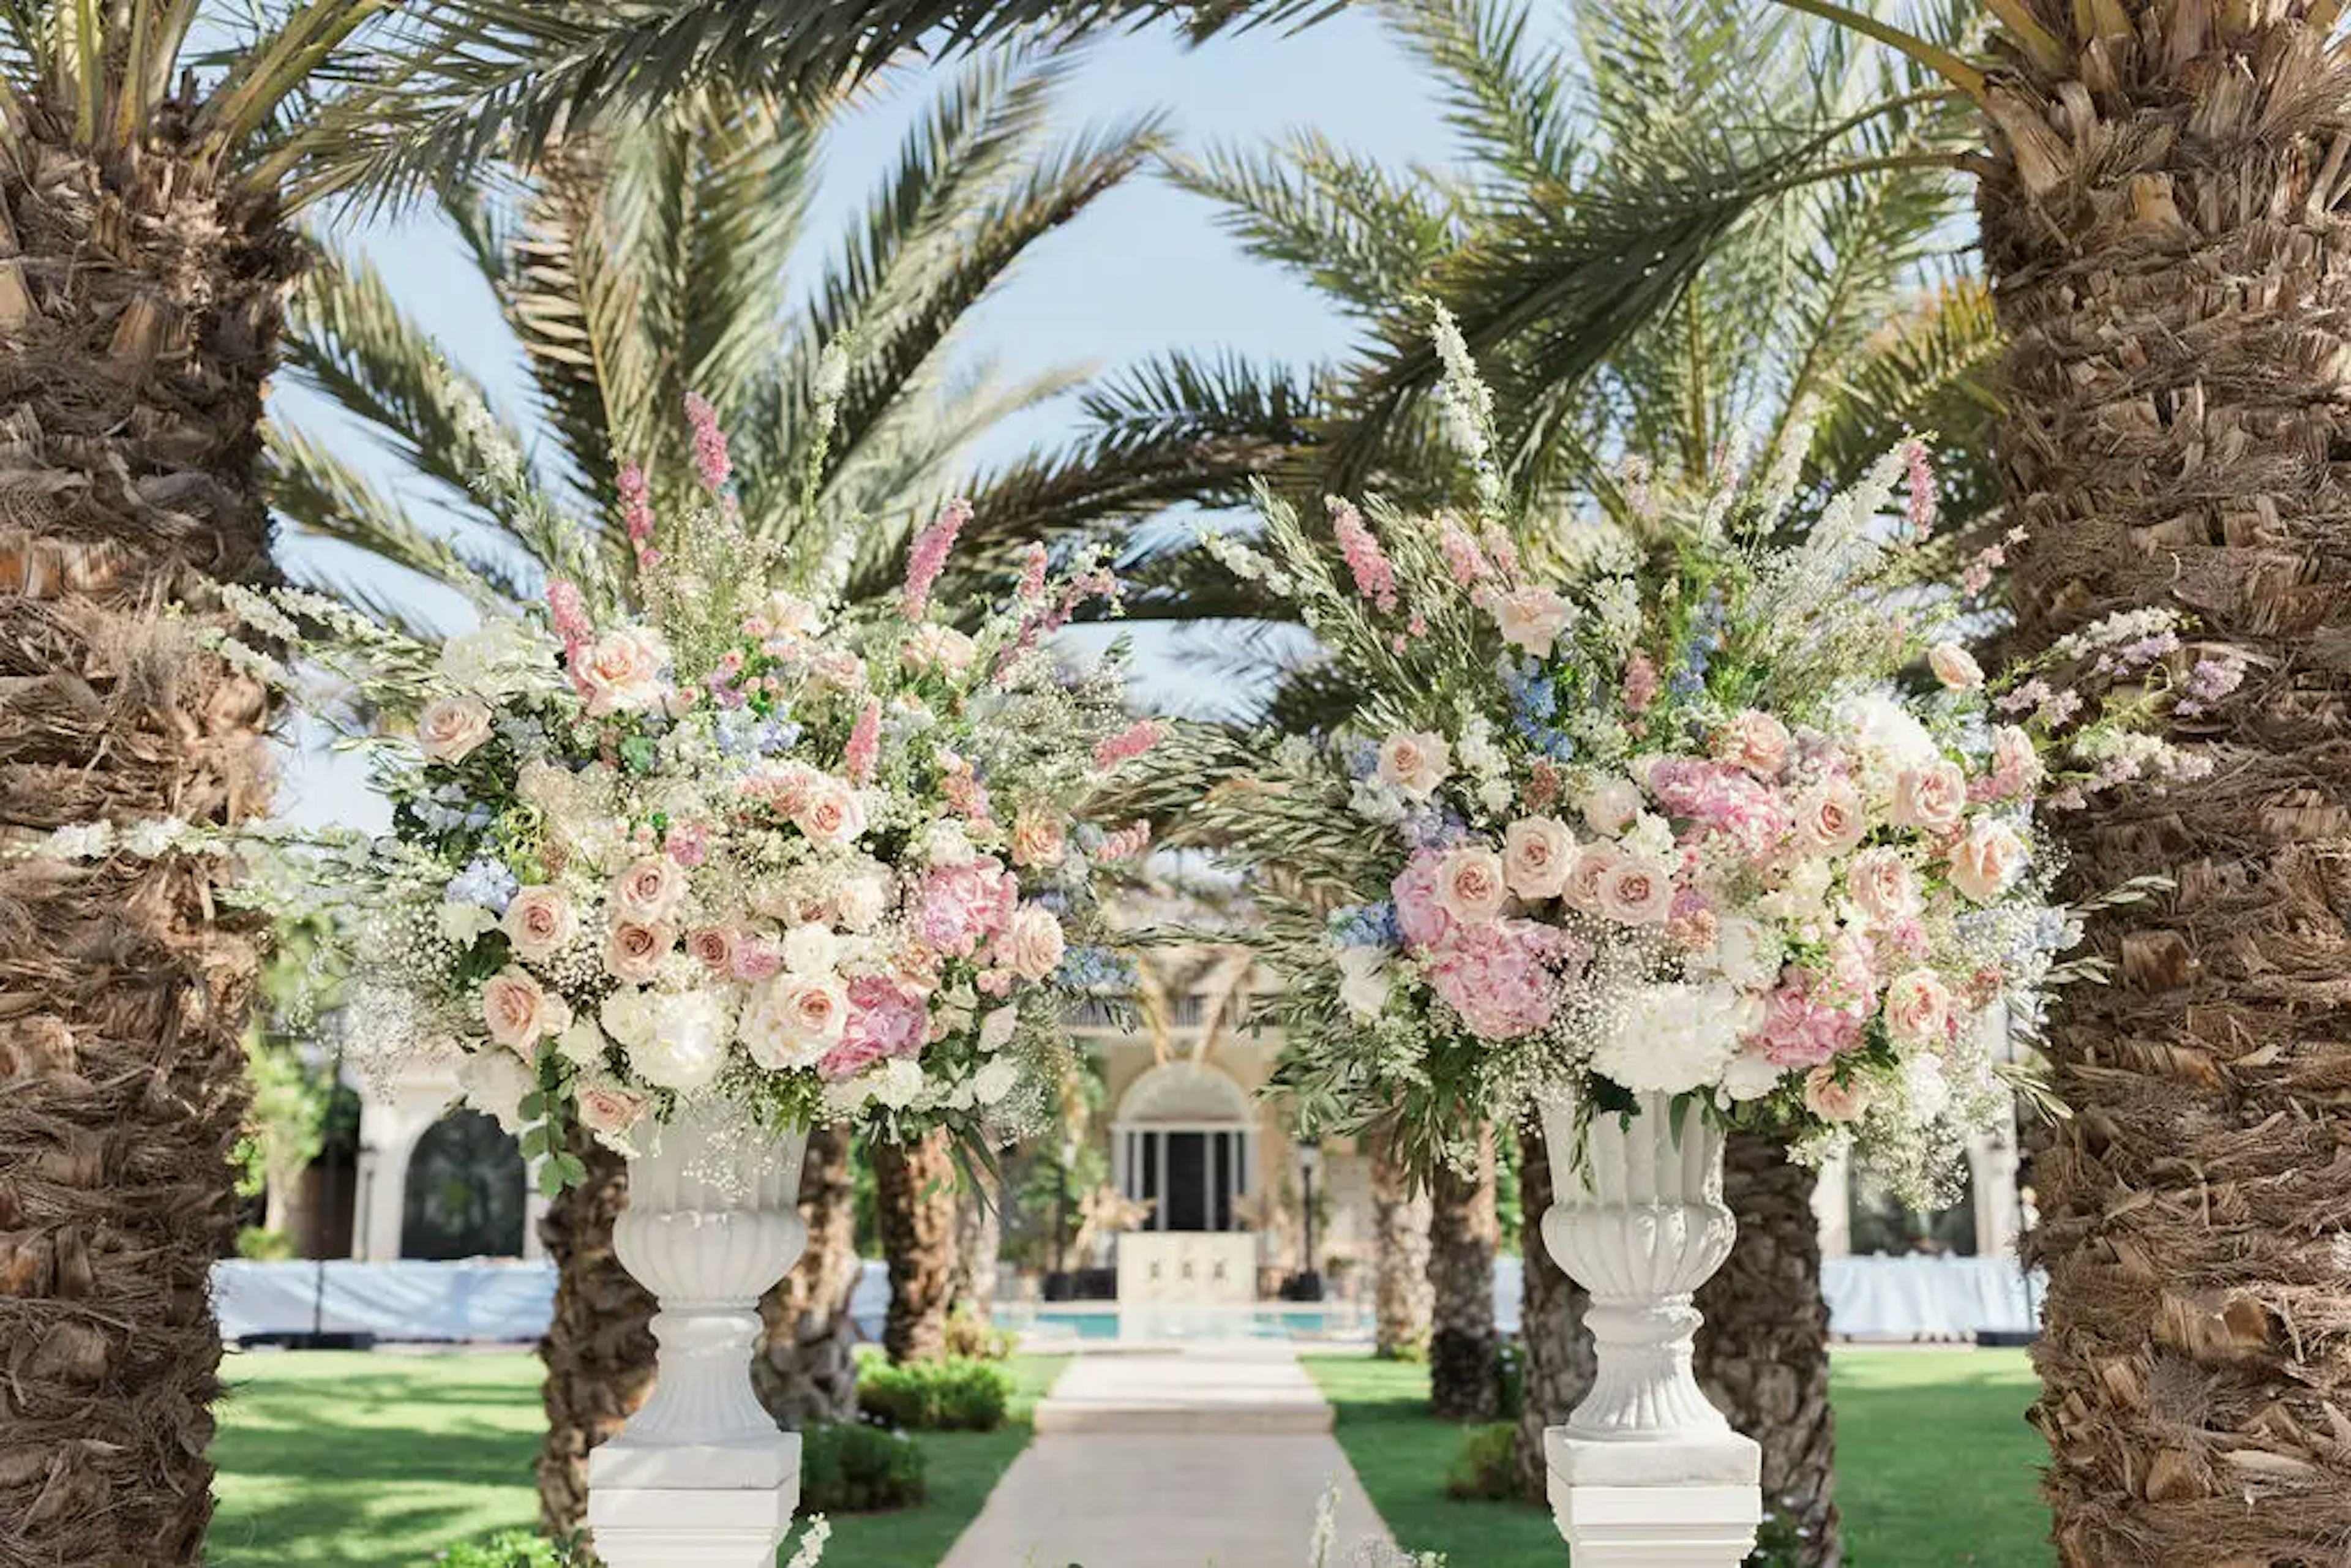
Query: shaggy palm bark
(1463, 1231)
(139, 318)
(1401, 1303)
(1556, 1359)
(914, 1193)
(598, 1347)
(1764, 1353)
(2172, 264)
(979, 1237)
(805, 1369)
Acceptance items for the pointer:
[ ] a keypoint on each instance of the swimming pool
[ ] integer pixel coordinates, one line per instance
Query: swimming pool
(1328, 1321)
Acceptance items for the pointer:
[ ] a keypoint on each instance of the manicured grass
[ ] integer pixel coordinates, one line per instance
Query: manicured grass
(341, 1460)
(1934, 1464)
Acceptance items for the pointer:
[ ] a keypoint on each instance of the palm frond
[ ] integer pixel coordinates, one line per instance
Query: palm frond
(323, 496)
(1507, 98)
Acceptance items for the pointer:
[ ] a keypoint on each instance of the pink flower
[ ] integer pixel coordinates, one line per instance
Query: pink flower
(959, 906)
(1531, 619)
(1880, 885)
(1920, 513)
(928, 558)
(936, 647)
(864, 744)
(1594, 863)
(886, 1020)
(1496, 978)
(1955, 667)
(831, 814)
(710, 459)
(713, 947)
(1470, 885)
(609, 1110)
(1032, 575)
(1987, 861)
(635, 950)
(1800, 1028)
(568, 611)
(1722, 798)
(620, 673)
(756, 960)
(1638, 890)
(687, 844)
(1640, 683)
(2016, 768)
(520, 1012)
(1755, 741)
(1375, 577)
(1918, 1008)
(1420, 913)
(539, 923)
(1830, 817)
(1415, 761)
(1032, 948)
(1537, 852)
(1038, 836)
(1128, 842)
(1128, 745)
(636, 505)
(1934, 799)
(452, 728)
(1462, 557)
(1832, 1100)
(650, 889)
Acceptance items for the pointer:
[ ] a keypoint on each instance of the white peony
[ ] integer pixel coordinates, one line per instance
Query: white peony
(1750, 1077)
(685, 1040)
(995, 1081)
(505, 658)
(948, 844)
(1880, 729)
(1671, 1038)
(810, 950)
(582, 1044)
(495, 1082)
(1364, 982)
(896, 1081)
(1747, 952)
(628, 1015)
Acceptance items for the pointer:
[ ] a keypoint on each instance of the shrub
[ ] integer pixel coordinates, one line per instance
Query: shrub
(261, 1246)
(849, 1467)
(973, 1340)
(1485, 1468)
(958, 1395)
(1510, 1372)
(507, 1549)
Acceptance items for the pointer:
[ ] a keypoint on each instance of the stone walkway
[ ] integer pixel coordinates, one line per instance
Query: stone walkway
(1210, 1455)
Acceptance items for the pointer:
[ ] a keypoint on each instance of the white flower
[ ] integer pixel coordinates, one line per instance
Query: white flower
(1926, 1093)
(896, 1081)
(1671, 1038)
(154, 836)
(1364, 982)
(1877, 725)
(1747, 952)
(996, 1029)
(505, 658)
(995, 1081)
(582, 1044)
(843, 1098)
(686, 1041)
(628, 1015)
(1955, 666)
(1650, 835)
(1377, 803)
(81, 841)
(495, 1082)
(948, 844)
(810, 950)
(1750, 1077)
(465, 923)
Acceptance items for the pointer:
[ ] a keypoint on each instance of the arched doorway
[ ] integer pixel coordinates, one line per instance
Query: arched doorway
(1184, 1143)
(463, 1195)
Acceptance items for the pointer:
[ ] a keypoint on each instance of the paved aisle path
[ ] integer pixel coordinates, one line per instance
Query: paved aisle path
(1212, 1455)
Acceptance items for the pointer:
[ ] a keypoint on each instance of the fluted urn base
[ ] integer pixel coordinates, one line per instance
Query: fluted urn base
(1646, 1471)
(700, 1476)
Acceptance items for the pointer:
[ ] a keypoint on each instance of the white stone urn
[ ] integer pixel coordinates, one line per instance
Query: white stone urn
(1646, 1470)
(700, 1476)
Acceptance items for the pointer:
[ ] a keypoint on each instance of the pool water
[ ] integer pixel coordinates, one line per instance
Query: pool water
(1108, 1320)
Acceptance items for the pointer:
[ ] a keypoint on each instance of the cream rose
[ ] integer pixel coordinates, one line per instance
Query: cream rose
(857, 902)
(1932, 797)
(1470, 885)
(1755, 741)
(621, 671)
(1612, 806)
(1532, 618)
(1591, 866)
(793, 1019)
(494, 1083)
(650, 890)
(1880, 885)
(934, 647)
(1032, 948)
(831, 814)
(609, 1111)
(539, 923)
(1918, 1008)
(451, 728)
(1955, 666)
(1537, 854)
(1832, 1100)
(1831, 819)
(636, 948)
(518, 1010)
(1987, 861)
(1415, 762)
(1038, 838)
(1638, 890)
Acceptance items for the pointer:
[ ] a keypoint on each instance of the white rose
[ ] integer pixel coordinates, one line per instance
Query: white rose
(1536, 854)
(495, 1082)
(996, 1028)
(1364, 982)
(686, 1046)
(1415, 762)
(464, 923)
(995, 1081)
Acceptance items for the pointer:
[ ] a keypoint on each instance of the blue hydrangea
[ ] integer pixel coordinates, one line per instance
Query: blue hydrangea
(1366, 926)
(486, 883)
(1095, 968)
(1360, 755)
(1428, 828)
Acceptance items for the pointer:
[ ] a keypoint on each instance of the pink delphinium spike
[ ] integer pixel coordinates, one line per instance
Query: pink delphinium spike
(928, 556)
(1640, 683)
(1032, 576)
(1462, 556)
(710, 458)
(1128, 745)
(1127, 842)
(1923, 492)
(570, 613)
(636, 505)
(1375, 577)
(1503, 553)
(864, 744)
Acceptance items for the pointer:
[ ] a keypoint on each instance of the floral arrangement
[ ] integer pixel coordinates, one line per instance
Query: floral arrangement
(1711, 806)
(711, 843)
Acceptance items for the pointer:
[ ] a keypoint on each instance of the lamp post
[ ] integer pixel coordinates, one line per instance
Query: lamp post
(1308, 1285)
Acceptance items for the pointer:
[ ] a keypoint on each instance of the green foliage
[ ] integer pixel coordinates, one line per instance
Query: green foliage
(969, 1339)
(847, 1467)
(258, 1245)
(507, 1549)
(956, 1395)
(1486, 1469)
(1511, 1374)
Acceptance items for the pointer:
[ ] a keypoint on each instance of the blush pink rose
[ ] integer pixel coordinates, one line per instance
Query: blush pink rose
(829, 813)
(1987, 861)
(1955, 666)
(452, 728)
(1880, 885)
(1833, 1101)
(636, 948)
(713, 947)
(1038, 838)
(620, 673)
(1592, 864)
(1470, 885)
(1918, 1008)
(1755, 741)
(1415, 762)
(518, 1011)
(650, 890)
(1934, 799)
(1830, 819)
(2016, 766)
(1537, 853)
(1420, 913)
(1531, 619)
(1032, 948)
(609, 1109)
(1638, 890)
(539, 923)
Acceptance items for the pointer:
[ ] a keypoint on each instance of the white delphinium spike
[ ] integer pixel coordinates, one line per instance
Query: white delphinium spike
(1326, 1527)
(812, 1543)
(1467, 402)
(1787, 467)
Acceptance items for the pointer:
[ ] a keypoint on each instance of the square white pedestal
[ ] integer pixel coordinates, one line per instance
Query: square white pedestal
(1680, 1503)
(705, 1506)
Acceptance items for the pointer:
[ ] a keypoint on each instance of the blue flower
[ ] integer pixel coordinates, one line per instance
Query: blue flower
(486, 883)
(1361, 756)
(1366, 926)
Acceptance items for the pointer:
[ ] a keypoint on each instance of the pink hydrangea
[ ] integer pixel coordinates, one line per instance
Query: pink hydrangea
(886, 1020)
(1419, 916)
(1498, 977)
(957, 907)
(1640, 683)
(1802, 1027)
(1723, 798)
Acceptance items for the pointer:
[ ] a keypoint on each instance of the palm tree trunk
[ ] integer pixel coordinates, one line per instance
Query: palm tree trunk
(1556, 1358)
(1401, 1300)
(979, 1237)
(806, 1371)
(2173, 270)
(599, 1349)
(914, 1192)
(1764, 1353)
(139, 321)
(1463, 1230)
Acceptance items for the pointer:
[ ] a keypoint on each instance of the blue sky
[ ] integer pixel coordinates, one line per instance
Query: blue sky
(1146, 268)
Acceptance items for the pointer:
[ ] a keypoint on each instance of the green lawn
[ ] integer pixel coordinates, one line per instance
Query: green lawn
(329, 1458)
(1934, 1464)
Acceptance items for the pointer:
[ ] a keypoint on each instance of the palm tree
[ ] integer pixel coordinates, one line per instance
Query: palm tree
(146, 194)
(1402, 1298)
(644, 260)
(1464, 1350)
